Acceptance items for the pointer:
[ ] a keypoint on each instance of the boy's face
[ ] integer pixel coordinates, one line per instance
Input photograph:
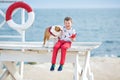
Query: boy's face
(68, 24)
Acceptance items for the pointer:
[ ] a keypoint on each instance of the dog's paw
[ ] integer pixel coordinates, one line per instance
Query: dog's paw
(45, 46)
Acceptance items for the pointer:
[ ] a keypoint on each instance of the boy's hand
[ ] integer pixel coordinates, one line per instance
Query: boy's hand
(73, 37)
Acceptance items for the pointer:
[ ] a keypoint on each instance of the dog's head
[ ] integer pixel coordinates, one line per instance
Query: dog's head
(58, 28)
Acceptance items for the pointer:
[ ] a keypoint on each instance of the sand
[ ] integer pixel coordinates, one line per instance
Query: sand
(104, 68)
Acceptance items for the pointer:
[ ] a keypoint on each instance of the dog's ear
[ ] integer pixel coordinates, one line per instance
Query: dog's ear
(57, 28)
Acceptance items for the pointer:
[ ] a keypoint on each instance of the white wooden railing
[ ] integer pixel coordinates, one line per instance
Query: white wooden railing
(34, 52)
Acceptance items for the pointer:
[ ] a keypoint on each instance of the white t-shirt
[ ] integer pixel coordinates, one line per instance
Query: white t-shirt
(66, 34)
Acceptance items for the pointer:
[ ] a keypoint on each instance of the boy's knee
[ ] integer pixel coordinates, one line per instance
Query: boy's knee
(63, 47)
(56, 47)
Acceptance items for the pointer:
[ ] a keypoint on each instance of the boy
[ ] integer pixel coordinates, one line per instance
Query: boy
(68, 35)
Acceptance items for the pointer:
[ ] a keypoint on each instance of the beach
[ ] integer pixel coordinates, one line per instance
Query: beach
(104, 68)
(91, 25)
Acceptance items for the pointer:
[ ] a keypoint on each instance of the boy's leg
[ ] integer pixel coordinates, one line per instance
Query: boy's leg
(54, 55)
(55, 51)
(64, 48)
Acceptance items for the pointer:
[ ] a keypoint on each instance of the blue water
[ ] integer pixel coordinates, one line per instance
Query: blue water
(92, 25)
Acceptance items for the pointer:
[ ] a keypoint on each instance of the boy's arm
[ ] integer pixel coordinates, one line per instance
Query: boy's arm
(73, 37)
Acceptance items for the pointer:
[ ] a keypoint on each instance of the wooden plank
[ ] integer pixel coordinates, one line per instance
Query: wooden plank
(76, 68)
(85, 67)
(4, 75)
(17, 55)
(32, 57)
(38, 45)
(11, 67)
(73, 48)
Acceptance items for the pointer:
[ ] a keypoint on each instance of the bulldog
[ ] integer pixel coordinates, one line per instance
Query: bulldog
(52, 32)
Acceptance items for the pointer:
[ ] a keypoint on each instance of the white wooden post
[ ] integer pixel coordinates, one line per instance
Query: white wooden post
(23, 40)
(90, 74)
(4, 74)
(76, 68)
(85, 67)
(2, 13)
(11, 67)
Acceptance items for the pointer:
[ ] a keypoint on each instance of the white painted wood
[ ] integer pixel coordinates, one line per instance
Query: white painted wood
(2, 14)
(85, 67)
(9, 36)
(7, 1)
(34, 52)
(11, 67)
(1, 65)
(4, 75)
(76, 68)
(76, 46)
(90, 74)
(31, 56)
(21, 68)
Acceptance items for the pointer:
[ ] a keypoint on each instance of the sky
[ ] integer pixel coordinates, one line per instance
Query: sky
(72, 3)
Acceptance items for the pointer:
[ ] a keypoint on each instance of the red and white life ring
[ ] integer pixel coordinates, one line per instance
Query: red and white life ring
(15, 6)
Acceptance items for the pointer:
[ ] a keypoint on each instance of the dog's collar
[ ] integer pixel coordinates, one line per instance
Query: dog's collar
(51, 32)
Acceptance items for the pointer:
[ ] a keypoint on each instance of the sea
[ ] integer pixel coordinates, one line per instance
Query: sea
(91, 25)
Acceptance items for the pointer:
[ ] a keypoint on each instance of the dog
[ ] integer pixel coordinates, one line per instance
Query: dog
(52, 32)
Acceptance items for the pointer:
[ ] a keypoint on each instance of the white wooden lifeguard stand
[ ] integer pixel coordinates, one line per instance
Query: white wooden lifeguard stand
(34, 52)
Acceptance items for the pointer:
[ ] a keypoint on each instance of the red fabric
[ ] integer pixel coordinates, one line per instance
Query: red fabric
(15, 5)
(73, 36)
(63, 45)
